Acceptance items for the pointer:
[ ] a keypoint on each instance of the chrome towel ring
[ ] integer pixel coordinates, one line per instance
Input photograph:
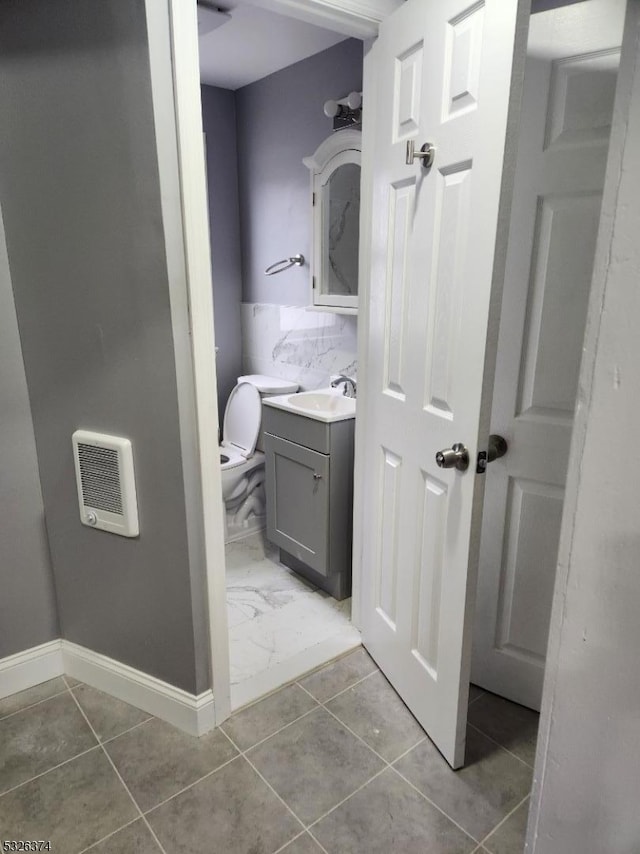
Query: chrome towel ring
(294, 261)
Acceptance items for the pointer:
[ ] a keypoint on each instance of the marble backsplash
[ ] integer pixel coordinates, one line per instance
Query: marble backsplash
(303, 346)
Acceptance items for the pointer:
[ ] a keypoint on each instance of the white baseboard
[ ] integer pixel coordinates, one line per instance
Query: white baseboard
(188, 712)
(30, 667)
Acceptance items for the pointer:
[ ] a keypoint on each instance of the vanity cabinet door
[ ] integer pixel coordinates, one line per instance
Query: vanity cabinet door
(297, 482)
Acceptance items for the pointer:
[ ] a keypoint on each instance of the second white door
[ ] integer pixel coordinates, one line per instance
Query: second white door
(569, 87)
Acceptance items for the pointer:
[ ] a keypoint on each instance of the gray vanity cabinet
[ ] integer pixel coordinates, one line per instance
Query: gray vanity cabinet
(309, 480)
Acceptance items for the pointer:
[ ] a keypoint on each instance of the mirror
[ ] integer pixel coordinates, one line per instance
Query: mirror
(335, 201)
(341, 231)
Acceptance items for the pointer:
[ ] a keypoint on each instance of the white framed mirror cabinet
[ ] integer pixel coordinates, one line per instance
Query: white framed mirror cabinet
(335, 205)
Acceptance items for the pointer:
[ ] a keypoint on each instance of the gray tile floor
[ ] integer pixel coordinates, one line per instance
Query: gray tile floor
(332, 763)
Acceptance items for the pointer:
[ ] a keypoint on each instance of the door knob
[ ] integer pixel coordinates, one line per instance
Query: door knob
(426, 153)
(498, 447)
(453, 458)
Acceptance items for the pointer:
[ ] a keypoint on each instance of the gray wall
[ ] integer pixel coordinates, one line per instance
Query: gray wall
(219, 123)
(280, 121)
(80, 196)
(586, 789)
(27, 600)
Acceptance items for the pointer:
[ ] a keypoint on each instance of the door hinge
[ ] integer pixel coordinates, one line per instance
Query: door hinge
(313, 199)
(313, 282)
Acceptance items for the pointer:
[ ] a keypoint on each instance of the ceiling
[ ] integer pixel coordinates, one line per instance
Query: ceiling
(254, 43)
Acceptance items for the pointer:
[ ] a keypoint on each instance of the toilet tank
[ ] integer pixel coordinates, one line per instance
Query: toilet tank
(268, 387)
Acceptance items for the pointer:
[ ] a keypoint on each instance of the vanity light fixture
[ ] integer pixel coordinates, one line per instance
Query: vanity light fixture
(346, 112)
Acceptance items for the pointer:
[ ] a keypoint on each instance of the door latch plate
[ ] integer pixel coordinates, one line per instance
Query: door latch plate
(498, 447)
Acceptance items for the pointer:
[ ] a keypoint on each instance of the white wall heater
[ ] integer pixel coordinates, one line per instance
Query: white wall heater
(106, 482)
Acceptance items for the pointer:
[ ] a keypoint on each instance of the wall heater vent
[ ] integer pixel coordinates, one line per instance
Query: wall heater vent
(106, 482)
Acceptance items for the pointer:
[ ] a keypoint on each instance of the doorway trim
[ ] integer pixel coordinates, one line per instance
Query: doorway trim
(197, 250)
(369, 86)
(357, 18)
(184, 98)
(175, 82)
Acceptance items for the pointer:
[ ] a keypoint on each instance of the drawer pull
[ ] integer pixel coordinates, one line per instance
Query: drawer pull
(317, 476)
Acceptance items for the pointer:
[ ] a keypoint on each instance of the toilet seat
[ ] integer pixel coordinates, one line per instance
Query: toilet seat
(233, 457)
(242, 416)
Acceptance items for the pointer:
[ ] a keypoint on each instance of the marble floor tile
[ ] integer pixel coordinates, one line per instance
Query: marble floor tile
(36, 739)
(232, 811)
(477, 796)
(256, 645)
(136, 838)
(273, 613)
(251, 725)
(23, 699)
(339, 675)
(387, 816)
(511, 725)
(262, 587)
(240, 554)
(314, 763)
(72, 806)
(374, 711)
(156, 760)
(509, 838)
(235, 616)
(107, 715)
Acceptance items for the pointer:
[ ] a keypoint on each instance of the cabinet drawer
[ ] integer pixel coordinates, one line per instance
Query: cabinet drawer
(297, 481)
(297, 428)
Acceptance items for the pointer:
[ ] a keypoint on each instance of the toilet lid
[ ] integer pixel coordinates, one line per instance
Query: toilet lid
(269, 385)
(242, 418)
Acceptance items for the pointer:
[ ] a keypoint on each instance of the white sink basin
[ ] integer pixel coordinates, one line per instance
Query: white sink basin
(322, 402)
(324, 405)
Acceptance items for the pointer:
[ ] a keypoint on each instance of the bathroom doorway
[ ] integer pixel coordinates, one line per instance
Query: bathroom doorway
(265, 80)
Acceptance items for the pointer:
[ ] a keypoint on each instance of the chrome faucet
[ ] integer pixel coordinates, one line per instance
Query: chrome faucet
(349, 389)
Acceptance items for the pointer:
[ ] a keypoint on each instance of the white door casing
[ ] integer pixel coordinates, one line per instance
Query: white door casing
(355, 18)
(444, 75)
(569, 86)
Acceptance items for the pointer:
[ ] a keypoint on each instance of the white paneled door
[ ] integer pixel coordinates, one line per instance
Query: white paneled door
(569, 87)
(444, 73)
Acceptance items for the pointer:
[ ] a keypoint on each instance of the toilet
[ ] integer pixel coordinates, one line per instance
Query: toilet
(241, 455)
